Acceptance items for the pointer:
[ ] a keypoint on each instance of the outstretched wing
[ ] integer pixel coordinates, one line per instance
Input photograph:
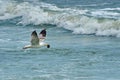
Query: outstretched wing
(34, 38)
(42, 35)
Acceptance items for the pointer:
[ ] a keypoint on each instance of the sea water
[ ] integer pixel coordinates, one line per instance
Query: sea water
(84, 36)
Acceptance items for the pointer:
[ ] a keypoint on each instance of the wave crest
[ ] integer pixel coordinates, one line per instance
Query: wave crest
(76, 20)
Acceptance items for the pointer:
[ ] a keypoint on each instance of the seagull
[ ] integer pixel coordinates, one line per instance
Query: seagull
(37, 41)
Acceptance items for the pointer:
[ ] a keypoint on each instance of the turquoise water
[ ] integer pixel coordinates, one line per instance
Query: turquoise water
(85, 41)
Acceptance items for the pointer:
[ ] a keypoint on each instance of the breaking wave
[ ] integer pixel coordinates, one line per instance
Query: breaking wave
(103, 22)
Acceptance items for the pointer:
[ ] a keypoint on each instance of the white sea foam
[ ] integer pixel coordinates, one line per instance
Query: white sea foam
(68, 18)
(95, 4)
(111, 9)
(105, 14)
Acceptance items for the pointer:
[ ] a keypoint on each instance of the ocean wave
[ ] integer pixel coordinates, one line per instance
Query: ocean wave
(94, 5)
(109, 9)
(103, 22)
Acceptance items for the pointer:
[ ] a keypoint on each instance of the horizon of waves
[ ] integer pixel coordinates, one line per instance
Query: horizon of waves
(101, 22)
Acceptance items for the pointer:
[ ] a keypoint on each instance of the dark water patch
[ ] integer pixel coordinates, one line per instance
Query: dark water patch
(13, 21)
(39, 26)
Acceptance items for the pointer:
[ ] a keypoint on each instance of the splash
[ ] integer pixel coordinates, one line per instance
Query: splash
(102, 22)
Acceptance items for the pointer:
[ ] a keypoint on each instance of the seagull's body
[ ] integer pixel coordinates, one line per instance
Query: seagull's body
(36, 41)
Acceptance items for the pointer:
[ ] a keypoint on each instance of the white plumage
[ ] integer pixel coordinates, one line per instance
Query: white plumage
(36, 41)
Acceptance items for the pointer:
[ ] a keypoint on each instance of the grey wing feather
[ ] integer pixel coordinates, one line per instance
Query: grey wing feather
(34, 38)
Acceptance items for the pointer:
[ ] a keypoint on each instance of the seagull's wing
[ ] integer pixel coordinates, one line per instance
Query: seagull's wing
(34, 38)
(42, 35)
